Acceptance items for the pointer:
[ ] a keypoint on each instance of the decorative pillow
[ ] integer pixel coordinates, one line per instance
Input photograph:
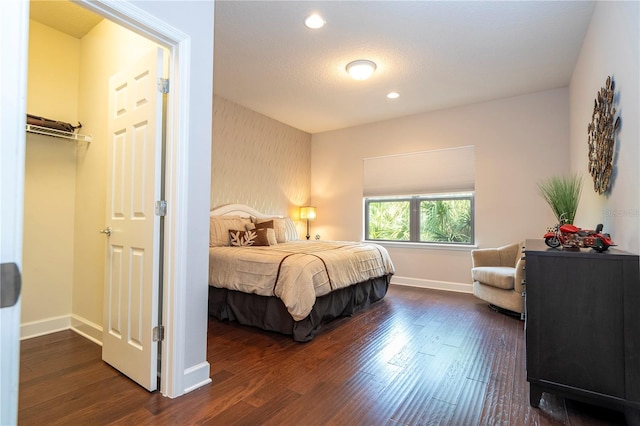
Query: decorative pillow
(256, 237)
(271, 233)
(277, 224)
(219, 227)
(271, 236)
(264, 223)
(268, 225)
(291, 232)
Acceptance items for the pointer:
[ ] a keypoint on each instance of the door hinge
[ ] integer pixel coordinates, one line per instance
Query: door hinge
(161, 208)
(163, 85)
(158, 333)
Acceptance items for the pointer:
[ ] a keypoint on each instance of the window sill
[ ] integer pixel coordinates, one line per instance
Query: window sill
(424, 246)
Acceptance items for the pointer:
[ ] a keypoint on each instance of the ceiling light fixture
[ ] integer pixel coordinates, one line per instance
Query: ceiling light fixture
(361, 69)
(393, 95)
(314, 21)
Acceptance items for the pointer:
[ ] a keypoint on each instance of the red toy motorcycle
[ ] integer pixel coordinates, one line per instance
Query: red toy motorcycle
(572, 236)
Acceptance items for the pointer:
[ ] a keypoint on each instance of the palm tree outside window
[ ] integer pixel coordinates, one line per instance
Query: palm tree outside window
(431, 218)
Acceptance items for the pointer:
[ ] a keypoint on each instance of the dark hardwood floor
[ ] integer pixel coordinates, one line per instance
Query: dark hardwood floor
(418, 357)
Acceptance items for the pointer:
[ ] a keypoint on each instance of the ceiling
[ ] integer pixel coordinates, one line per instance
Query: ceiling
(63, 16)
(436, 54)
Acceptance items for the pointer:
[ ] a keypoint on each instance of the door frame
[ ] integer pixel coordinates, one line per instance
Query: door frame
(176, 131)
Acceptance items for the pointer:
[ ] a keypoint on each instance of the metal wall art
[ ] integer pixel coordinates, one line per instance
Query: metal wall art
(602, 137)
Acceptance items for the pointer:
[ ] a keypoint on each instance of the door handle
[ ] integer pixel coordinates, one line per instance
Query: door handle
(10, 284)
(107, 231)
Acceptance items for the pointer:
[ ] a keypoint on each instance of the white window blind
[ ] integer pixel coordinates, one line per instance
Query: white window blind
(426, 172)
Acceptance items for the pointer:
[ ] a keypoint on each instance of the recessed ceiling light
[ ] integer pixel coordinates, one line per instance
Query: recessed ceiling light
(314, 21)
(393, 95)
(361, 69)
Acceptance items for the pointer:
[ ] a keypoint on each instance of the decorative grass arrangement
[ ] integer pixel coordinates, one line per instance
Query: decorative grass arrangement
(563, 194)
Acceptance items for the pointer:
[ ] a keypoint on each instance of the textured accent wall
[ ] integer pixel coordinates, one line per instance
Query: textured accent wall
(258, 161)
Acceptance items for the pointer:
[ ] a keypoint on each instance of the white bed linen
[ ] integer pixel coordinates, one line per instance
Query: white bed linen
(295, 271)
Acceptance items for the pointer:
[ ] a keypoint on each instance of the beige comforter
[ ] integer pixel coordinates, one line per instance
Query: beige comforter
(297, 271)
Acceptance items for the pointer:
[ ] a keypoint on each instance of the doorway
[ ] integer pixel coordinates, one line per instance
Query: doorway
(182, 28)
(65, 180)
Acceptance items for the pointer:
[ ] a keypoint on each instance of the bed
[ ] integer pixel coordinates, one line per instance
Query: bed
(261, 274)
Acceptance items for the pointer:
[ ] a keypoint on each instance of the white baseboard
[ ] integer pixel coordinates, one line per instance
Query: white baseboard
(87, 329)
(32, 329)
(80, 325)
(196, 377)
(435, 285)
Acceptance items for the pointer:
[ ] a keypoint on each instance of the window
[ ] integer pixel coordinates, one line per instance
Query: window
(440, 207)
(441, 219)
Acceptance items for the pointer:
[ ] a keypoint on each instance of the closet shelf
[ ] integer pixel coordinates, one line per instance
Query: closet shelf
(31, 128)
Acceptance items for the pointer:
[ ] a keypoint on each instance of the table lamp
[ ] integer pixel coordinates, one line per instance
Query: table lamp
(308, 213)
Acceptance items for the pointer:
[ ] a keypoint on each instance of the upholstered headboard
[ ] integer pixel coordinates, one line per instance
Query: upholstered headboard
(239, 210)
(284, 227)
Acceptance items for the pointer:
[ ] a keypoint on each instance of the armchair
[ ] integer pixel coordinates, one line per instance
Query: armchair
(498, 275)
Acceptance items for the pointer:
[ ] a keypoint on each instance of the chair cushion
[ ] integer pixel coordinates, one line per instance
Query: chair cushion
(495, 276)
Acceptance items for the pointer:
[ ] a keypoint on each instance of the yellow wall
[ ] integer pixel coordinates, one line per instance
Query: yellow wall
(50, 176)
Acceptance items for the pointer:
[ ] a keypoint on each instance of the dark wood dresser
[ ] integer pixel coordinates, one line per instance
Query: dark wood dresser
(583, 325)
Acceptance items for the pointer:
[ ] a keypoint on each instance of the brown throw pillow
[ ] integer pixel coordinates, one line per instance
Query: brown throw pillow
(277, 224)
(256, 237)
(271, 233)
(265, 224)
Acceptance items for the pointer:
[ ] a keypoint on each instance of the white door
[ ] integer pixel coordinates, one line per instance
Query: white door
(14, 28)
(132, 228)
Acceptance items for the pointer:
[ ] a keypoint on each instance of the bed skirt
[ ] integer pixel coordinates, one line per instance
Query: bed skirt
(269, 313)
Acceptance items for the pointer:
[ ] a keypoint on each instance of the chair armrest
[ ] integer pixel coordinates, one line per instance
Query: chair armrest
(485, 257)
(510, 254)
(519, 276)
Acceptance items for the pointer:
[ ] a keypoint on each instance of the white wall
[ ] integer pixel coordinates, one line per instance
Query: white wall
(518, 141)
(611, 48)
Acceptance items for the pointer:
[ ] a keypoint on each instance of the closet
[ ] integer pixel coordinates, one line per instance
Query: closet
(65, 177)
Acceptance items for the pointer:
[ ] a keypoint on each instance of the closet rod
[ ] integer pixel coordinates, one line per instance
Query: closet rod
(31, 128)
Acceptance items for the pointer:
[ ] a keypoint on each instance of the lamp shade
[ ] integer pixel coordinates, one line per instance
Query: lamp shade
(308, 213)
